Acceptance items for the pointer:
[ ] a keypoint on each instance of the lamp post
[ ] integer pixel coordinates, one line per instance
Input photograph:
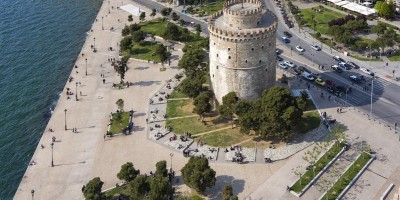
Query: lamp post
(32, 193)
(52, 161)
(76, 91)
(171, 154)
(86, 66)
(94, 45)
(102, 27)
(372, 93)
(65, 119)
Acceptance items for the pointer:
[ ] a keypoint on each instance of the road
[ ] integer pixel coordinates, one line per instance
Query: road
(386, 99)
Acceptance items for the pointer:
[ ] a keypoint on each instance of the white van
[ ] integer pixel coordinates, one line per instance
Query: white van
(308, 76)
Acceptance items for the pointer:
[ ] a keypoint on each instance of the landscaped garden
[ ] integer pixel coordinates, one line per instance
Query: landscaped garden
(310, 120)
(144, 50)
(347, 177)
(308, 175)
(119, 122)
(212, 7)
(195, 126)
(224, 138)
(321, 18)
(178, 108)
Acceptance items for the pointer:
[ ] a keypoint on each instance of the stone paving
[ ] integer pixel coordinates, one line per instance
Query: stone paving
(211, 153)
(248, 154)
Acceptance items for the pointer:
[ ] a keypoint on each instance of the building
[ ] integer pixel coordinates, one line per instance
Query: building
(242, 49)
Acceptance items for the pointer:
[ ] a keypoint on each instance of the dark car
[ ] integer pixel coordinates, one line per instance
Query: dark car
(339, 59)
(296, 71)
(303, 69)
(334, 90)
(329, 83)
(344, 65)
(278, 58)
(337, 68)
(287, 34)
(343, 89)
(355, 79)
(353, 65)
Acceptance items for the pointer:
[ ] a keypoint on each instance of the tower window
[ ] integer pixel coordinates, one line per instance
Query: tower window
(259, 61)
(229, 57)
(217, 55)
(269, 44)
(229, 49)
(217, 66)
(252, 49)
(214, 43)
(258, 23)
(262, 47)
(246, 61)
(213, 75)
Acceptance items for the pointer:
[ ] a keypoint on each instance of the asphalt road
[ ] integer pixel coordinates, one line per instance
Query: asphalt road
(386, 98)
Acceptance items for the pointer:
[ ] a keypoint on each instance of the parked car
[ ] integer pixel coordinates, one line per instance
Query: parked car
(296, 71)
(320, 82)
(367, 71)
(278, 51)
(329, 83)
(299, 48)
(353, 65)
(334, 90)
(343, 89)
(290, 64)
(285, 40)
(355, 79)
(287, 34)
(344, 65)
(337, 69)
(308, 76)
(283, 65)
(339, 59)
(316, 47)
(303, 69)
(278, 58)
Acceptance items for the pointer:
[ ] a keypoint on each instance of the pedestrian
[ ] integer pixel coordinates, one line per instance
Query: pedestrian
(329, 98)
(337, 110)
(53, 138)
(340, 110)
(104, 81)
(104, 137)
(80, 93)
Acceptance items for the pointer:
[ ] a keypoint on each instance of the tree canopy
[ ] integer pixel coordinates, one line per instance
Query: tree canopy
(175, 17)
(166, 11)
(139, 187)
(227, 193)
(160, 188)
(228, 104)
(128, 172)
(192, 86)
(138, 36)
(202, 103)
(92, 189)
(197, 174)
(162, 52)
(171, 32)
(126, 43)
(142, 16)
(161, 169)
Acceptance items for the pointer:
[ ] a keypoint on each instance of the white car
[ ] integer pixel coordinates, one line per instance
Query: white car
(299, 48)
(290, 64)
(367, 71)
(308, 76)
(316, 47)
(283, 65)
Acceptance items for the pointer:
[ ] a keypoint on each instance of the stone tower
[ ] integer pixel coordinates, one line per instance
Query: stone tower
(242, 49)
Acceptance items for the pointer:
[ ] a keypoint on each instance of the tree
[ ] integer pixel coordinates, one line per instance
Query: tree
(120, 104)
(175, 17)
(138, 36)
(161, 169)
(121, 69)
(227, 109)
(139, 187)
(162, 53)
(197, 174)
(166, 11)
(130, 18)
(160, 188)
(127, 172)
(134, 27)
(171, 32)
(92, 190)
(198, 28)
(125, 31)
(192, 86)
(202, 103)
(227, 193)
(126, 43)
(153, 12)
(142, 16)
(191, 60)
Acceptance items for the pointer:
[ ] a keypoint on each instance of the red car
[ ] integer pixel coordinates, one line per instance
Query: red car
(329, 83)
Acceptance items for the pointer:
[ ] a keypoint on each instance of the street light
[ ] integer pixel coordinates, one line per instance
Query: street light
(76, 91)
(86, 65)
(65, 119)
(171, 154)
(33, 193)
(102, 27)
(52, 161)
(372, 93)
(94, 45)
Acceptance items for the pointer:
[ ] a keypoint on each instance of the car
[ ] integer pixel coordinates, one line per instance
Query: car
(337, 58)
(290, 64)
(367, 71)
(343, 89)
(355, 79)
(299, 48)
(296, 71)
(316, 47)
(278, 51)
(334, 90)
(320, 82)
(344, 65)
(337, 69)
(315, 75)
(329, 83)
(285, 40)
(283, 65)
(278, 58)
(353, 65)
(303, 69)
(308, 76)
(287, 34)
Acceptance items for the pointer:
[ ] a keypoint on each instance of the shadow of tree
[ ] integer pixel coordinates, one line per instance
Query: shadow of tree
(141, 68)
(215, 193)
(147, 83)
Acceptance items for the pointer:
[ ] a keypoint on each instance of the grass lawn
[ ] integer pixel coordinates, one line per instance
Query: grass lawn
(145, 50)
(349, 175)
(310, 120)
(362, 58)
(322, 18)
(319, 165)
(212, 7)
(395, 57)
(116, 191)
(117, 127)
(179, 108)
(310, 105)
(176, 94)
(194, 125)
(224, 138)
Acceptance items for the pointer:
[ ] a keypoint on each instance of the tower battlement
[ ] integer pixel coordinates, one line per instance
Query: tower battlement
(256, 10)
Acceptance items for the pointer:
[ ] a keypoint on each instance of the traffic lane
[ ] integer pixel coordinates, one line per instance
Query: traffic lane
(382, 110)
(151, 4)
